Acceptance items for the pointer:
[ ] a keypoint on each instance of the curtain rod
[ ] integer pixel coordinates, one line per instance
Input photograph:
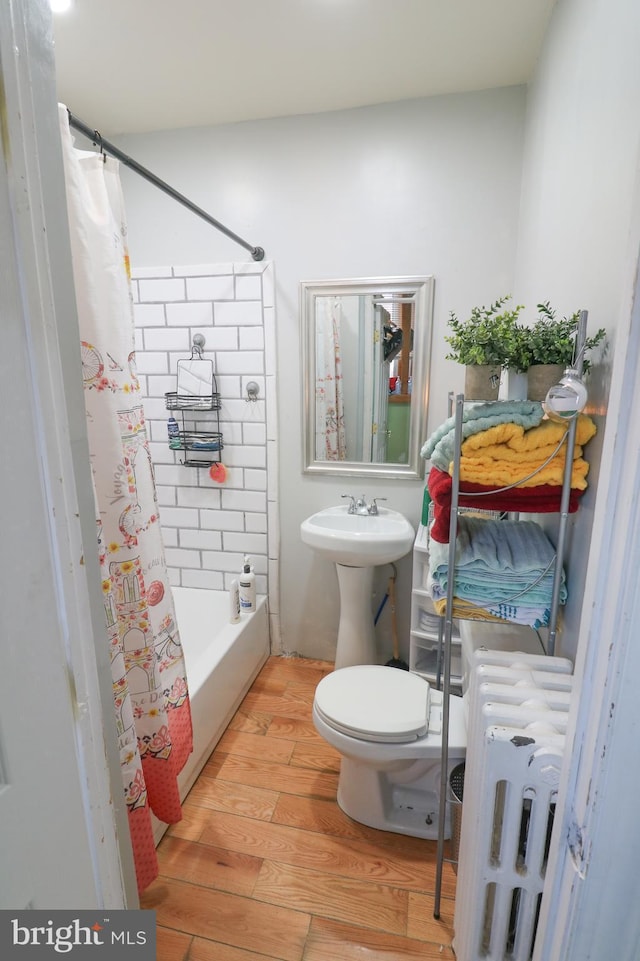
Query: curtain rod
(96, 137)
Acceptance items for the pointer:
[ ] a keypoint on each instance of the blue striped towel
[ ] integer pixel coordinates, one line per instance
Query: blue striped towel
(498, 563)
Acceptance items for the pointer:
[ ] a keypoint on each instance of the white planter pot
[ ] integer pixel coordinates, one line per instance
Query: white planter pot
(513, 385)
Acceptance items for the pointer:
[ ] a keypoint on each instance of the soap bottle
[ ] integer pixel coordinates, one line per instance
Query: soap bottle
(173, 431)
(247, 585)
(234, 602)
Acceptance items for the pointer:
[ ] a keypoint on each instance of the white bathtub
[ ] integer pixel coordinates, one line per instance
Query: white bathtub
(222, 660)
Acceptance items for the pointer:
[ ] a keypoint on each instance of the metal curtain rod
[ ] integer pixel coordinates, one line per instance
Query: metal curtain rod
(96, 137)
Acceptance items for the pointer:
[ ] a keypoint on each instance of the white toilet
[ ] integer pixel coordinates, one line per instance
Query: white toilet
(387, 725)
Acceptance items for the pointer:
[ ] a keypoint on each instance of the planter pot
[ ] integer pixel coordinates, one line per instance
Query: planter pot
(481, 382)
(541, 377)
(514, 385)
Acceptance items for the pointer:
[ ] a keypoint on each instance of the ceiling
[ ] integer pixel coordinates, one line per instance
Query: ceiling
(139, 65)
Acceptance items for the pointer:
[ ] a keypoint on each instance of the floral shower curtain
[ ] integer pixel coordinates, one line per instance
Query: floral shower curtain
(151, 700)
(330, 433)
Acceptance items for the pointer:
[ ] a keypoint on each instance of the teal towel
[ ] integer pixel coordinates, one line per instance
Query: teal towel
(498, 562)
(439, 447)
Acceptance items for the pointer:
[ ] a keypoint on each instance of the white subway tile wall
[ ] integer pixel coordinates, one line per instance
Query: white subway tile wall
(209, 527)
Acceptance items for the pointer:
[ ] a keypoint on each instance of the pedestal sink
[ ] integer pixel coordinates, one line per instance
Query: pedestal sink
(357, 543)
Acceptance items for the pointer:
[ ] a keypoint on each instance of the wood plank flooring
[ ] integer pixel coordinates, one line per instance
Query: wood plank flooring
(264, 866)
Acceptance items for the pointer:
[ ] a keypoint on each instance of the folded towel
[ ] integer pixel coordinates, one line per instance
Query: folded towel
(501, 474)
(507, 454)
(541, 499)
(500, 546)
(504, 567)
(503, 453)
(472, 612)
(464, 610)
(547, 434)
(439, 448)
(492, 591)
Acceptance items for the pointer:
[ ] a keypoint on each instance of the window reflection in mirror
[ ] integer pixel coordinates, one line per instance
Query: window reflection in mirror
(365, 366)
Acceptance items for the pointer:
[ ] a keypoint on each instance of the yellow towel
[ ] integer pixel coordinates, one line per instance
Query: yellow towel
(499, 453)
(503, 474)
(499, 434)
(506, 453)
(465, 610)
(547, 434)
(469, 612)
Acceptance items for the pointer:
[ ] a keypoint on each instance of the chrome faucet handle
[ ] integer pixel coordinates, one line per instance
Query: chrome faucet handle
(352, 505)
(373, 507)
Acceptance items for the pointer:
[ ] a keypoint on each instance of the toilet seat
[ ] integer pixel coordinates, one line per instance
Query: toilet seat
(375, 703)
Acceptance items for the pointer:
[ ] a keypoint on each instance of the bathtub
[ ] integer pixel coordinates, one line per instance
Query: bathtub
(222, 660)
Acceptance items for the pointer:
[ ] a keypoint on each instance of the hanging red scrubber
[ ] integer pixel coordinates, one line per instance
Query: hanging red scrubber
(218, 473)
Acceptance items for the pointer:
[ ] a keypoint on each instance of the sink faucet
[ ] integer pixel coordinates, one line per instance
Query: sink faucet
(360, 505)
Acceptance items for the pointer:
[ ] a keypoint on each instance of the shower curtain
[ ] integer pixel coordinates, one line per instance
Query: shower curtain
(330, 433)
(151, 700)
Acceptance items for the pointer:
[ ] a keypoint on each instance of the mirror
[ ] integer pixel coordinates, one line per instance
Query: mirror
(195, 380)
(365, 358)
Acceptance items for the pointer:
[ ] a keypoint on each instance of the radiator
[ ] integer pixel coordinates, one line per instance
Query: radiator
(517, 717)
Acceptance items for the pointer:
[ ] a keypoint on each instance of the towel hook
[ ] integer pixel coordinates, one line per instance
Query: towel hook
(253, 389)
(197, 345)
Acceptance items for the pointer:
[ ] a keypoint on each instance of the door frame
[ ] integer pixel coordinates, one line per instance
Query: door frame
(39, 234)
(595, 847)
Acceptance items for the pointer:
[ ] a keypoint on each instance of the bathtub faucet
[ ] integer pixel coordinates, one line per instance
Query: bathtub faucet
(360, 505)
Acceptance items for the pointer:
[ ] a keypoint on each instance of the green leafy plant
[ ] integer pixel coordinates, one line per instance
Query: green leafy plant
(551, 340)
(490, 335)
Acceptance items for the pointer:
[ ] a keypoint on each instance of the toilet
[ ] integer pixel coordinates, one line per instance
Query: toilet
(387, 725)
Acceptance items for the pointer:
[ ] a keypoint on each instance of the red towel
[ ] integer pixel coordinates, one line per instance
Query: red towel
(544, 499)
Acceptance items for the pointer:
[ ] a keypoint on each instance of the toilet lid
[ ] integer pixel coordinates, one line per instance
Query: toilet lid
(374, 703)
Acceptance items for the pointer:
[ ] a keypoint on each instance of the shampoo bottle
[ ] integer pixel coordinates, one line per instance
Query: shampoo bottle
(173, 431)
(247, 588)
(234, 602)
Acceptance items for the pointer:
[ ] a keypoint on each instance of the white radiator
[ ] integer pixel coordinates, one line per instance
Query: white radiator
(517, 716)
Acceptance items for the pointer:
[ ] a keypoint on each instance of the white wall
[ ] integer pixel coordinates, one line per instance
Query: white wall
(579, 243)
(417, 187)
(579, 172)
(208, 526)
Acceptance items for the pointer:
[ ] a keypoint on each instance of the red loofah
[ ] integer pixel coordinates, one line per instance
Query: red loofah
(218, 473)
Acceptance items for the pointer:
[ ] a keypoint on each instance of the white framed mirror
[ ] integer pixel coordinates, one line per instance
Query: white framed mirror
(366, 347)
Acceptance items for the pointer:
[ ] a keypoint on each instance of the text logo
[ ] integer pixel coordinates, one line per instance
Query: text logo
(102, 936)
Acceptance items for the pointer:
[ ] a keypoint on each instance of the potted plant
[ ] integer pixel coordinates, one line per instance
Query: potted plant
(488, 340)
(551, 343)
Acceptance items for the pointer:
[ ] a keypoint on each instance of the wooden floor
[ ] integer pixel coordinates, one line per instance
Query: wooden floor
(265, 866)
